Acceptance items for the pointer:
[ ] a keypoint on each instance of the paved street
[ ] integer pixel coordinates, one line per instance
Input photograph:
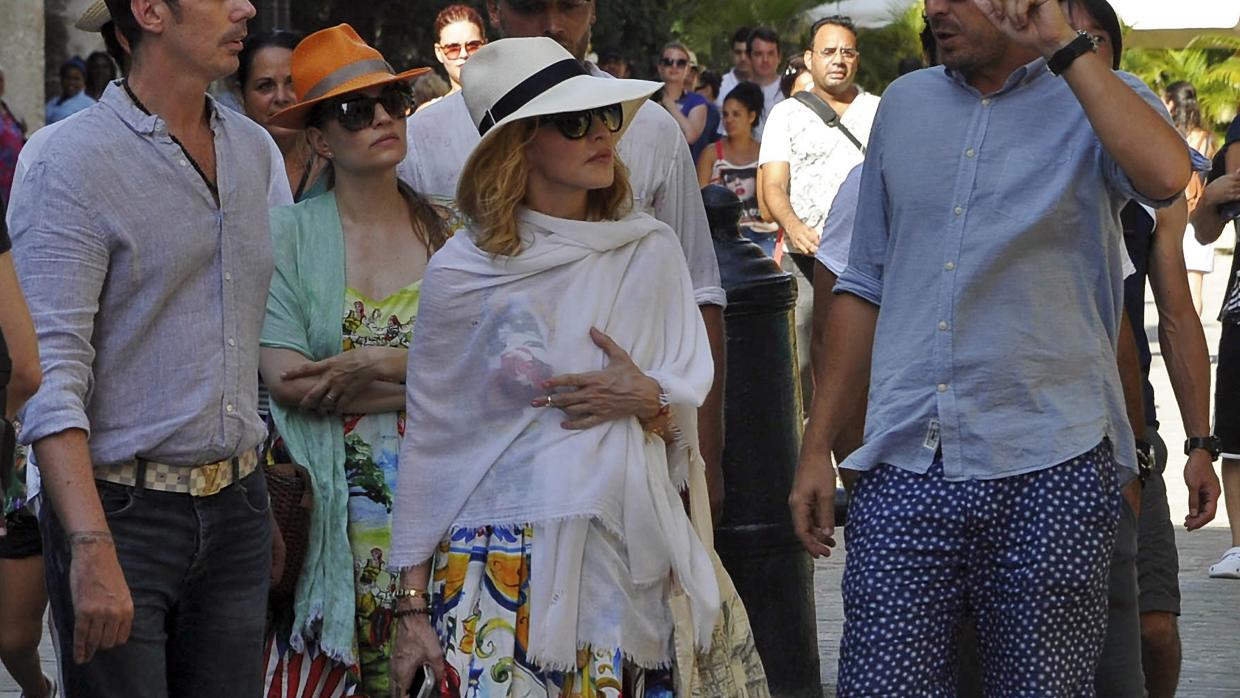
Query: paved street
(1211, 607)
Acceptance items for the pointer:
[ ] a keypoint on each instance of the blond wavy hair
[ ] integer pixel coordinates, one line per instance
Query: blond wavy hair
(493, 183)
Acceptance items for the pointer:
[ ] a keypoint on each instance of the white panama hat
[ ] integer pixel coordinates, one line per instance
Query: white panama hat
(95, 16)
(513, 79)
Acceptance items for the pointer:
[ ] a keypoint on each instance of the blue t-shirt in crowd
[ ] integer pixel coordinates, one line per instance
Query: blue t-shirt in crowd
(687, 102)
(57, 110)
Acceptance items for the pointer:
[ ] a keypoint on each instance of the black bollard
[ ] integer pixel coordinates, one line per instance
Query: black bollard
(773, 573)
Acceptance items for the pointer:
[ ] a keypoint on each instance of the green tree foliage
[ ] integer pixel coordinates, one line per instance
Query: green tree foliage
(637, 29)
(402, 29)
(707, 26)
(883, 48)
(1210, 63)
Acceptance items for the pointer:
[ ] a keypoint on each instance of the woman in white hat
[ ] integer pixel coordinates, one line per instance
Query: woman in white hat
(537, 521)
(340, 311)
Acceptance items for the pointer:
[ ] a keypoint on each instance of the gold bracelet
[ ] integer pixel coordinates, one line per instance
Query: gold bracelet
(412, 594)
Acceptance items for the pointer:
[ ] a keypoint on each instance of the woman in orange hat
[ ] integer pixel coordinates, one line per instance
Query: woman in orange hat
(340, 314)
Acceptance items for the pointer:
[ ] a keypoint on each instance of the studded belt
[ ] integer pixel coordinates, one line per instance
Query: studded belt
(196, 481)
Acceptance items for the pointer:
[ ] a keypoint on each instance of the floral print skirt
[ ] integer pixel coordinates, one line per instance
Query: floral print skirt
(480, 592)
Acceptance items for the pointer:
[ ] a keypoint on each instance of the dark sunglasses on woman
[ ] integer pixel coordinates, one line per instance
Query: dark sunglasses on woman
(669, 62)
(453, 51)
(575, 125)
(358, 111)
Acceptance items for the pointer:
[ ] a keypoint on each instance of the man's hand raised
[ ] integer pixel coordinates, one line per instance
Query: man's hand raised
(1037, 24)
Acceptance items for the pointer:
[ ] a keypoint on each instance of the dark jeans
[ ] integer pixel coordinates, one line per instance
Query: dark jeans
(198, 570)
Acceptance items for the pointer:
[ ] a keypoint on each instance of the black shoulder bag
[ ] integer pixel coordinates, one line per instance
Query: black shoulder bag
(827, 114)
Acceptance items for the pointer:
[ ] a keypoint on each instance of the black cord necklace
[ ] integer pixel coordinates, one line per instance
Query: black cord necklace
(197, 168)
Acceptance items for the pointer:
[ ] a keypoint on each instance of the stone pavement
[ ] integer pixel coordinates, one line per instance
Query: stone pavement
(1210, 625)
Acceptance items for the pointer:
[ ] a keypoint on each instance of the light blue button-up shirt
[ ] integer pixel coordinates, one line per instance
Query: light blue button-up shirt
(988, 234)
(148, 296)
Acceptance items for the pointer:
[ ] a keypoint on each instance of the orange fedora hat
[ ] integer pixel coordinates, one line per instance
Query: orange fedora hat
(332, 62)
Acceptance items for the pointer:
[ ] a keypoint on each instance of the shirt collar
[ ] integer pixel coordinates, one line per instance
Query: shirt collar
(1024, 75)
(116, 97)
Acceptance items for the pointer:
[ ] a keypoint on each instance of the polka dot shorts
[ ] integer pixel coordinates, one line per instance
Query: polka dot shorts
(1027, 554)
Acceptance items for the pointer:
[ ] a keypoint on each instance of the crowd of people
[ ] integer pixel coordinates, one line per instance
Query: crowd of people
(485, 328)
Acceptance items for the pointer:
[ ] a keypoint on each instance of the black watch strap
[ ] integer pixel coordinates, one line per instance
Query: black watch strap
(1209, 444)
(1082, 44)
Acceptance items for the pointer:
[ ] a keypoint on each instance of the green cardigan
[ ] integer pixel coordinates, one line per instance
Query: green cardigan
(304, 307)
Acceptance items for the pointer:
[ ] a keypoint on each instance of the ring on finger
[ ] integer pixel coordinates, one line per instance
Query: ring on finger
(548, 402)
(331, 397)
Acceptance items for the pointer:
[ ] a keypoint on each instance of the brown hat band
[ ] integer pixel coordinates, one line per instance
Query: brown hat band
(343, 74)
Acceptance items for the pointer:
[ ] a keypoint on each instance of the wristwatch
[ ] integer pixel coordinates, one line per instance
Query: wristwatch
(1081, 45)
(1209, 444)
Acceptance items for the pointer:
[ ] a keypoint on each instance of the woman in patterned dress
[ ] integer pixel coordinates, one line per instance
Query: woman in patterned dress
(537, 524)
(341, 310)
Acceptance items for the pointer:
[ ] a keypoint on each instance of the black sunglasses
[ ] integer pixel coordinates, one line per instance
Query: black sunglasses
(357, 112)
(575, 125)
(669, 62)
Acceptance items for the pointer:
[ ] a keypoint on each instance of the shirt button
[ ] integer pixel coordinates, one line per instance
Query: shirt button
(949, 266)
(229, 408)
(943, 325)
(228, 276)
(985, 101)
(184, 162)
(232, 342)
(942, 387)
(958, 210)
(970, 152)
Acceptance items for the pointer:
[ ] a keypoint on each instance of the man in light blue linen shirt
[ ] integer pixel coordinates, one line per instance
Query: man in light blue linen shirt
(981, 307)
(145, 252)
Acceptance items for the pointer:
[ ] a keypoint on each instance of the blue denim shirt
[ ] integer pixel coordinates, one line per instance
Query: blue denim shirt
(988, 234)
(147, 295)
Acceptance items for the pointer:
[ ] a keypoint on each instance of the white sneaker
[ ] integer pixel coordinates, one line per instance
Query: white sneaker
(1228, 566)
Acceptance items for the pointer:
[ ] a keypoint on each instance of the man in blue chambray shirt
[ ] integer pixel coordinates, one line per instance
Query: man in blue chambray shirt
(145, 253)
(981, 308)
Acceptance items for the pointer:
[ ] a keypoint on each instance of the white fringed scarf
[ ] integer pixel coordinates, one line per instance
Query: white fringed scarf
(611, 534)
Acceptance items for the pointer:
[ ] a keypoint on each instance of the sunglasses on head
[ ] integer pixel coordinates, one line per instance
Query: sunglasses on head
(453, 51)
(358, 111)
(575, 125)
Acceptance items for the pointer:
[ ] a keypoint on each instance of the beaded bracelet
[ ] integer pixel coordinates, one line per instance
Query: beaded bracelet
(406, 612)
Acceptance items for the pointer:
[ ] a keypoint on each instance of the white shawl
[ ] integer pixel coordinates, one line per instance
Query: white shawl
(489, 330)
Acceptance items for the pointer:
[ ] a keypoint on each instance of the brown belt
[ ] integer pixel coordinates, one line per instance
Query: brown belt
(196, 481)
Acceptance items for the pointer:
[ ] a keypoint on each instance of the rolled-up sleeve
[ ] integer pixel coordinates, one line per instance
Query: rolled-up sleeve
(867, 255)
(678, 203)
(62, 260)
(1116, 178)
